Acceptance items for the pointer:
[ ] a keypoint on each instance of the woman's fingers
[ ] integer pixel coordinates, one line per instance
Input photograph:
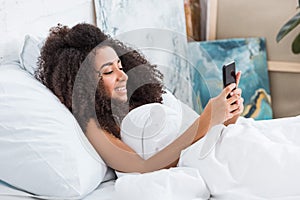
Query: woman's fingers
(228, 89)
(237, 107)
(238, 77)
(235, 95)
(235, 99)
(237, 92)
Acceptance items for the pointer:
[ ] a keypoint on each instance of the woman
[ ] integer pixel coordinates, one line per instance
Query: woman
(100, 80)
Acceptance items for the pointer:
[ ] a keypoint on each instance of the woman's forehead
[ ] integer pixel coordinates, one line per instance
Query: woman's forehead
(105, 54)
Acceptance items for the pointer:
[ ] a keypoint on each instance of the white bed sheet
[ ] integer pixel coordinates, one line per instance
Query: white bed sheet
(104, 192)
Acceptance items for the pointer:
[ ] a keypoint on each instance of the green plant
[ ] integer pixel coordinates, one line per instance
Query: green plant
(289, 26)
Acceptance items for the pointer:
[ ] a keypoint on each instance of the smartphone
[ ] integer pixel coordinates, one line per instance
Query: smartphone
(229, 75)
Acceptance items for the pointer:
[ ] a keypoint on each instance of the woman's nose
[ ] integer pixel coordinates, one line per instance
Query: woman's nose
(122, 76)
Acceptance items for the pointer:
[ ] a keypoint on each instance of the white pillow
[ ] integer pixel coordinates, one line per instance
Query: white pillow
(30, 52)
(42, 148)
(151, 127)
(188, 115)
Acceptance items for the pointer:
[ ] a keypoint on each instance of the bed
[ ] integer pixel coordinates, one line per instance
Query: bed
(45, 155)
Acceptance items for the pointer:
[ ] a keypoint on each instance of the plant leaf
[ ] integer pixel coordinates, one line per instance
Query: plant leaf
(287, 27)
(296, 45)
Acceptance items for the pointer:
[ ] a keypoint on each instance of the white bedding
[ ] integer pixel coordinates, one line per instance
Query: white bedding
(103, 192)
(179, 183)
(255, 160)
(249, 160)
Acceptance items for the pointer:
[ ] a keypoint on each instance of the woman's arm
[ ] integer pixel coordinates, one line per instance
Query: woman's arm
(121, 157)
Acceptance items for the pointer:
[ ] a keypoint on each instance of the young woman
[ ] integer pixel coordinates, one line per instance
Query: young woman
(100, 80)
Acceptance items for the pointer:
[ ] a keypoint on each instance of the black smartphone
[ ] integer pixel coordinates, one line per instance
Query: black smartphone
(229, 75)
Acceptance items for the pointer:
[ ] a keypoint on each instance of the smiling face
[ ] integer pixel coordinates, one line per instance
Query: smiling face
(110, 70)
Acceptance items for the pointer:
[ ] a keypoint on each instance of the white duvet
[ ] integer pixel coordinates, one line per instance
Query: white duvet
(248, 160)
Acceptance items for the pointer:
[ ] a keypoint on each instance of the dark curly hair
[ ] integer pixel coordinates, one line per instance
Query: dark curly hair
(66, 67)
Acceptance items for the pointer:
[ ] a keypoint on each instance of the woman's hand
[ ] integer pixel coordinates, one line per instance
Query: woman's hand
(222, 108)
(240, 101)
(238, 93)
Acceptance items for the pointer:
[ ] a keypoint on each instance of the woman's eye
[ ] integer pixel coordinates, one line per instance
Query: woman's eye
(108, 72)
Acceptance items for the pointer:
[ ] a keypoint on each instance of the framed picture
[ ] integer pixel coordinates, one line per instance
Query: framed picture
(206, 60)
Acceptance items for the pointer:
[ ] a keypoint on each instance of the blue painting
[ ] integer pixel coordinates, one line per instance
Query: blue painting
(206, 60)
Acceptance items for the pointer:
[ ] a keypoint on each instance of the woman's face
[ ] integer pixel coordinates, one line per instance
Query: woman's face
(110, 69)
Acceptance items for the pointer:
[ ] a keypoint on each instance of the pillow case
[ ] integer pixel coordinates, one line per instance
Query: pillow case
(149, 128)
(188, 115)
(42, 148)
(30, 53)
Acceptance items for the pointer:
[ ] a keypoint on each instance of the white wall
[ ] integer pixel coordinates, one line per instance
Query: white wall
(244, 18)
(21, 17)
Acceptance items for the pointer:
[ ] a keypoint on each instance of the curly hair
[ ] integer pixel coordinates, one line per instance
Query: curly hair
(67, 68)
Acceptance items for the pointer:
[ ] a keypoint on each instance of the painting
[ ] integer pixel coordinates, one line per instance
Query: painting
(206, 60)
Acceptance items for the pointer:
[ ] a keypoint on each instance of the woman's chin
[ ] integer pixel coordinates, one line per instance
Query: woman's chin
(120, 99)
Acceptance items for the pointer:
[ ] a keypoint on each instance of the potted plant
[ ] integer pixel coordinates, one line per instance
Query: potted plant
(289, 26)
